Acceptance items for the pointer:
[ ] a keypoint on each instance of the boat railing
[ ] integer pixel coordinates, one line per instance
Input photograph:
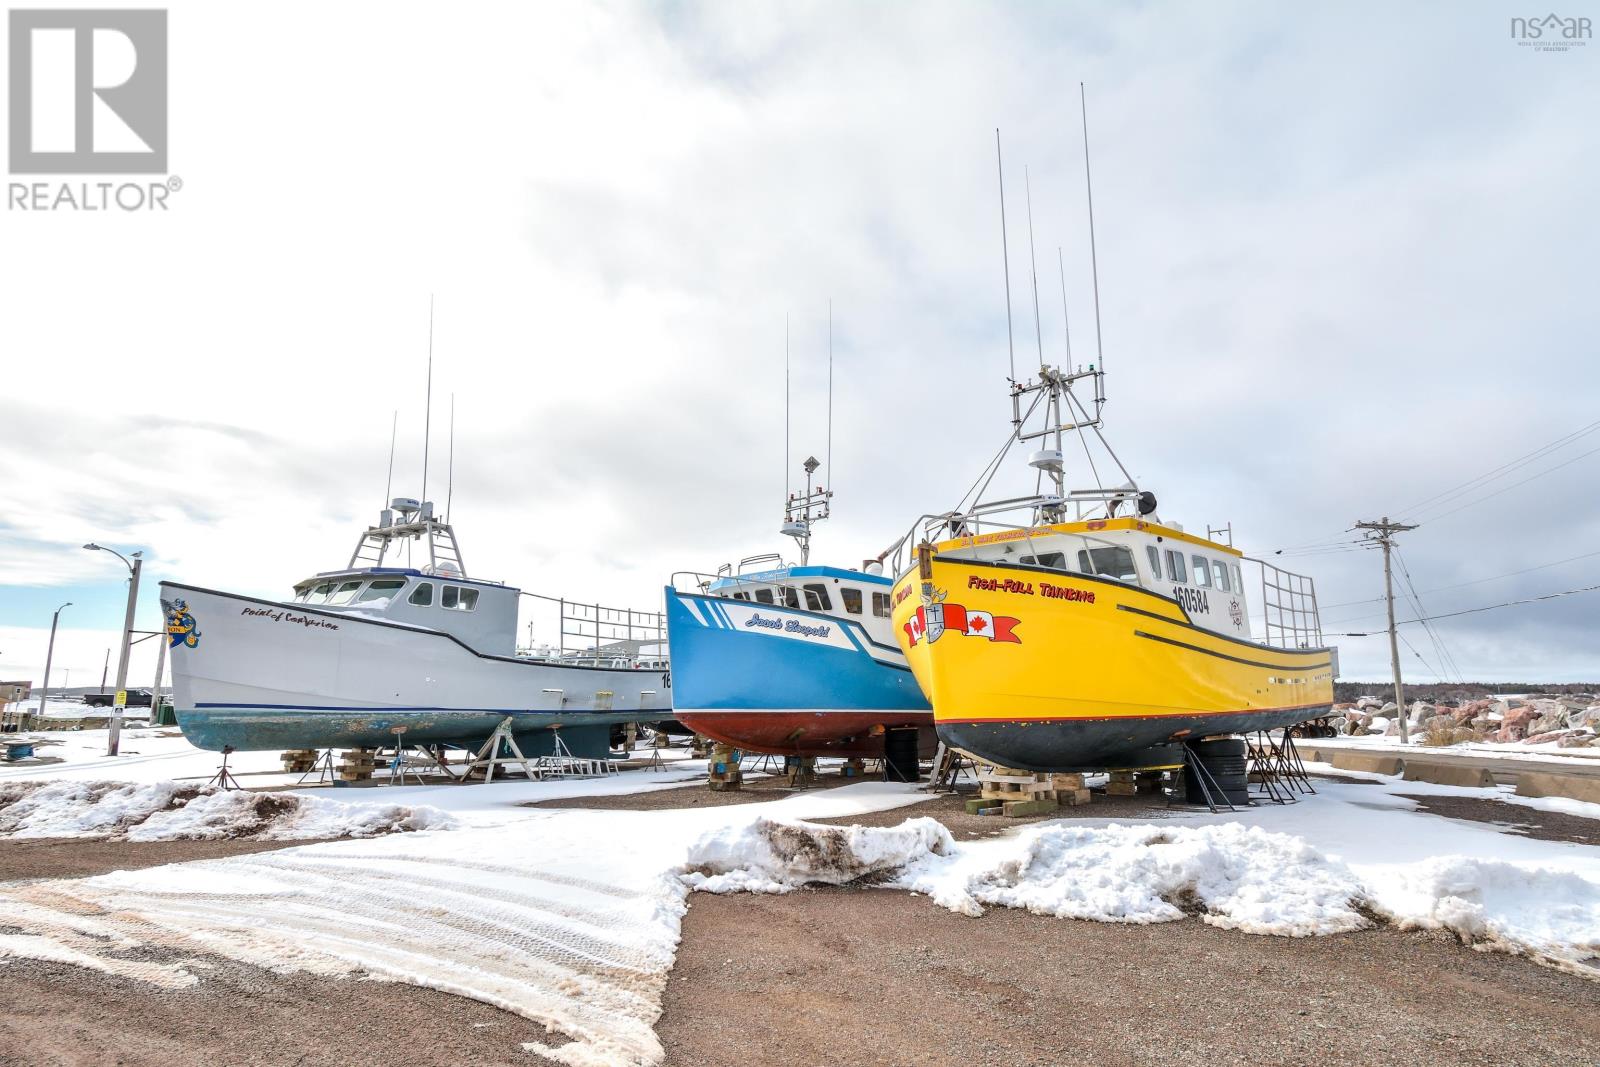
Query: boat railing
(1289, 607)
(595, 635)
(697, 582)
(969, 525)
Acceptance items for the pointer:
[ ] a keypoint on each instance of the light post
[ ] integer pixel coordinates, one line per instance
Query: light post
(50, 654)
(114, 733)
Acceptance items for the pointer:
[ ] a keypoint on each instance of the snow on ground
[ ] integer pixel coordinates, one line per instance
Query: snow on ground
(567, 917)
(1301, 869)
(169, 811)
(1390, 744)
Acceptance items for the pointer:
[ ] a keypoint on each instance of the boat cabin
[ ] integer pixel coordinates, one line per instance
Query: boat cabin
(849, 595)
(482, 615)
(1201, 575)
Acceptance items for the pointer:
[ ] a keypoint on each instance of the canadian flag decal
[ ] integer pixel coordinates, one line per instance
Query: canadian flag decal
(932, 621)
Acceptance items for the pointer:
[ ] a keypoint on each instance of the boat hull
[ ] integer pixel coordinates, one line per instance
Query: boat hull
(1042, 670)
(262, 675)
(777, 680)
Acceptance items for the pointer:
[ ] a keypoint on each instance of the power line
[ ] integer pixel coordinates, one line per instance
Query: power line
(1487, 607)
(1506, 468)
(1514, 485)
(1446, 659)
(1475, 581)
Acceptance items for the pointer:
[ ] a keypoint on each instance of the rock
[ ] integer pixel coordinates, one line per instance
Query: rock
(1548, 723)
(1389, 708)
(1368, 703)
(1547, 738)
(1515, 725)
(1576, 703)
(1577, 739)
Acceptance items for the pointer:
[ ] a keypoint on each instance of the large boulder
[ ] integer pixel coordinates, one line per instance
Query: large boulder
(1548, 738)
(1368, 703)
(1514, 727)
(1577, 739)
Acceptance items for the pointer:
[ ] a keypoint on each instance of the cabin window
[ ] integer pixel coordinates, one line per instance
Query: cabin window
(422, 595)
(381, 590)
(880, 605)
(1114, 562)
(458, 599)
(345, 593)
(1238, 579)
(740, 596)
(852, 599)
(1202, 572)
(790, 598)
(319, 595)
(817, 598)
(1056, 560)
(1221, 572)
(763, 596)
(1175, 568)
(1155, 560)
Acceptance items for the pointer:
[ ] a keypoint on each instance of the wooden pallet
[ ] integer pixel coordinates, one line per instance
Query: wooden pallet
(357, 764)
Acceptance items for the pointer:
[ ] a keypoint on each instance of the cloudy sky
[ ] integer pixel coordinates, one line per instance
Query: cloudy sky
(1346, 265)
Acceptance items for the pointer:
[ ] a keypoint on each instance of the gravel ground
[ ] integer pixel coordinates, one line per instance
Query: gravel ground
(698, 795)
(61, 1016)
(1516, 819)
(880, 976)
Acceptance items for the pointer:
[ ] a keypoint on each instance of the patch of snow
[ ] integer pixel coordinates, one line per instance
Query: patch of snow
(773, 856)
(169, 811)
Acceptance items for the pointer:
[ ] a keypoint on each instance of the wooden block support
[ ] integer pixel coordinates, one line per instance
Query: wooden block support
(1020, 808)
(977, 807)
(724, 773)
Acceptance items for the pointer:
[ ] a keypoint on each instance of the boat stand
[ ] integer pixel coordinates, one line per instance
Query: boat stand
(322, 767)
(949, 764)
(1276, 767)
(488, 756)
(1210, 789)
(561, 763)
(224, 778)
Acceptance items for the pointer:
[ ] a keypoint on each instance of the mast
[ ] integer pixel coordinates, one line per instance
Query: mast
(427, 416)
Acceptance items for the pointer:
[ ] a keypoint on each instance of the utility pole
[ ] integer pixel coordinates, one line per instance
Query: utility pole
(1383, 532)
(114, 727)
(50, 654)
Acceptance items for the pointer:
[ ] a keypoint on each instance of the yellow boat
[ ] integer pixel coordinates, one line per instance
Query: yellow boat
(1098, 640)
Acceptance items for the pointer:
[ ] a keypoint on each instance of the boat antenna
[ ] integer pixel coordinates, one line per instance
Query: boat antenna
(450, 477)
(1005, 254)
(427, 415)
(1033, 263)
(1066, 323)
(786, 405)
(388, 486)
(1094, 263)
(830, 389)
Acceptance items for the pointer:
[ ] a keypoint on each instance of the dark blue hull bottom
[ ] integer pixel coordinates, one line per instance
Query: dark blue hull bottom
(1104, 744)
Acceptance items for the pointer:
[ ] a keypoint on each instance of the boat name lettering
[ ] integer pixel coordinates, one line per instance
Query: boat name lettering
(904, 592)
(999, 585)
(1066, 592)
(793, 626)
(285, 616)
(1192, 600)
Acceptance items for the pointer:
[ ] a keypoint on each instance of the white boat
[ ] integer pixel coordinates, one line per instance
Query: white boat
(358, 652)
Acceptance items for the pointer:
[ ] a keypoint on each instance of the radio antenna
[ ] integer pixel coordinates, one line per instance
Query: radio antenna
(830, 389)
(427, 416)
(1066, 324)
(1094, 263)
(450, 478)
(388, 485)
(1005, 254)
(1033, 263)
(786, 405)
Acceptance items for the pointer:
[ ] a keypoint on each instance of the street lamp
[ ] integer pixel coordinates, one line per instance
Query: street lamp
(114, 733)
(49, 655)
